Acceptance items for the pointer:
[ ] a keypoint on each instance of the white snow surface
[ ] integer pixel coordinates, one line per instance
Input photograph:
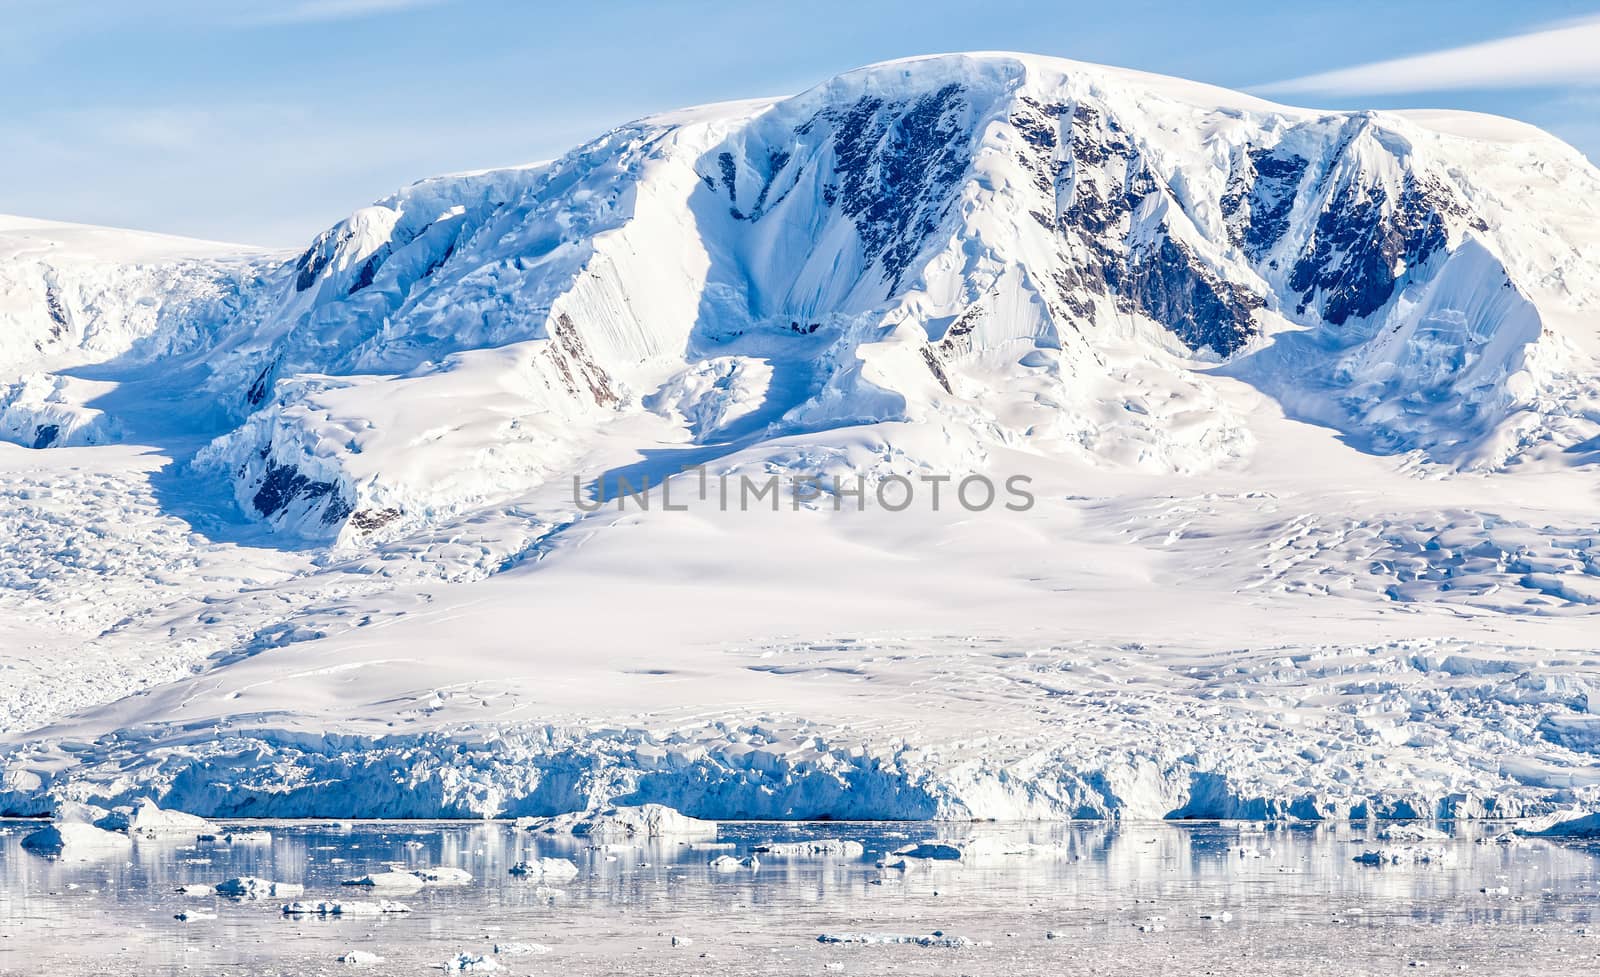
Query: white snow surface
(1309, 402)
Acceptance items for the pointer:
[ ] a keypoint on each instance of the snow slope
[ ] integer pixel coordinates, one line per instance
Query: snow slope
(1308, 402)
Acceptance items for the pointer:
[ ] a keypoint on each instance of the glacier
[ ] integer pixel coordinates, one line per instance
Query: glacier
(1309, 402)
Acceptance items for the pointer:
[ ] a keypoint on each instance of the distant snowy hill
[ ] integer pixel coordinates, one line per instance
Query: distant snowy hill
(1254, 354)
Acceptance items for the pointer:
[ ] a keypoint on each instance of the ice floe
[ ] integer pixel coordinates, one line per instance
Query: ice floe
(1564, 824)
(932, 939)
(151, 822)
(1406, 855)
(193, 916)
(335, 908)
(442, 875)
(971, 850)
(472, 963)
(76, 841)
(249, 887)
(819, 848)
(388, 881)
(647, 821)
(520, 949)
(546, 869)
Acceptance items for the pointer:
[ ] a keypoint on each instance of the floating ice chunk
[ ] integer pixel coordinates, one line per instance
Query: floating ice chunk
(116, 819)
(1405, 855)
(1564, 824)
(149, 821)
(520, 949)
(247, 838)
(328, 908)
(546, 869)
(75, 811)
(936, 850)
(197, 890)
(682, 941)
(1411, 832)
(727, 863)
(388, 881)
(250, 887)
(977, 849)
(359, 958)
(818, 848)
(442, 875)
(931, 939)
(626, 824)
(473, 964)
(193, 915)
(76, 841)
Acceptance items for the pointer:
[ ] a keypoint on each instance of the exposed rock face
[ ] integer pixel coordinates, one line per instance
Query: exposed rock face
(281, 486)
(895, 168)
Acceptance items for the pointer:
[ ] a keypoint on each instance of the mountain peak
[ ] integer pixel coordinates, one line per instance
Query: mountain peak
(992, 243)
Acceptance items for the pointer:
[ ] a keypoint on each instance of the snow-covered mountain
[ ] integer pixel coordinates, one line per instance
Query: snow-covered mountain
(1026, 251)
(1138, 289)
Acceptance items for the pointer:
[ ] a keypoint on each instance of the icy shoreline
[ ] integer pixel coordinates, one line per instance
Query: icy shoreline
(1410, 729)
(277, 775)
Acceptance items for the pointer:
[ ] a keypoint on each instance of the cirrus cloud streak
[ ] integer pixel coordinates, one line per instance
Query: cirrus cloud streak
(1559, 56)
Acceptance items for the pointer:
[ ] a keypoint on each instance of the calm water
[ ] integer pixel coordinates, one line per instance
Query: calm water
(1303, 906)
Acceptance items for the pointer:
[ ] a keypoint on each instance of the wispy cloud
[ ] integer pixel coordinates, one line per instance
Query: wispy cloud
(1559, 55)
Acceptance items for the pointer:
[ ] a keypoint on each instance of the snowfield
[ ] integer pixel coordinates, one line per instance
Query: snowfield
(1307, 404)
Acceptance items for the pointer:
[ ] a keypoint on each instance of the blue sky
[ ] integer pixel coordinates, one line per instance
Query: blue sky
(264, 121)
